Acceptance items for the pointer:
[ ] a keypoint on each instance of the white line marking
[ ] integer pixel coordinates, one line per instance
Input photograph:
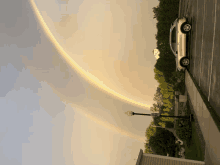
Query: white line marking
(179, 7)
(190, 51)
(186, 9)
(212, 51)
(202, 44)
(196, 37)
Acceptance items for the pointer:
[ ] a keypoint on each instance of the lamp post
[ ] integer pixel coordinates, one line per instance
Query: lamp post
(130, 113)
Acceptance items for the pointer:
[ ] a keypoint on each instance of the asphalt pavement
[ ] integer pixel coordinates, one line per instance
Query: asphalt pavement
(203, 73)
(203, 46)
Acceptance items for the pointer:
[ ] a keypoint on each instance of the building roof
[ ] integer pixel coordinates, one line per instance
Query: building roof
(152, 159)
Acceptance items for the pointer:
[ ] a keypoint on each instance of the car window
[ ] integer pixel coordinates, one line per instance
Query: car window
(174, 35)
(173, 40)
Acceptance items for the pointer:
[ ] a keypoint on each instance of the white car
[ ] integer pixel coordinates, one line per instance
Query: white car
(178, 30)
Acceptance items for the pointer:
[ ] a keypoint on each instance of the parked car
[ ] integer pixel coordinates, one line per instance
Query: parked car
(178, 31)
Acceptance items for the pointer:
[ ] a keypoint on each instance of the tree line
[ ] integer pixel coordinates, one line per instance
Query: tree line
(159, 140)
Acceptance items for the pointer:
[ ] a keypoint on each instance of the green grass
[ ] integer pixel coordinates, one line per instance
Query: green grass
(181, 87)
(194, 151)
(194, 147)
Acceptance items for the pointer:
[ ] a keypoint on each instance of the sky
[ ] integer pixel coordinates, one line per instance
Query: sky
(69, 70)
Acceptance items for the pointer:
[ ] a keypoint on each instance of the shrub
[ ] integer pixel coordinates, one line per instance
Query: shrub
(177, 149)
(169, 124)
(177, 76)
(171, 151)
(180, 87)
(184, 132)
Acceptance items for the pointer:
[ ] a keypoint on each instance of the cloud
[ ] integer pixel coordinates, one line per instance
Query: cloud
(8, 76)
(39, 148)
(17, 23)
(19, 101)
(50, 101)
(15, 124)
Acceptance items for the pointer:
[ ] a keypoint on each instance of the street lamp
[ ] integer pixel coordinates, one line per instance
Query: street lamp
(130, 113)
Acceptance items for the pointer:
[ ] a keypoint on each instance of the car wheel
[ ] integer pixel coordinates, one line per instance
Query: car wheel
(184, 62)
(185, 27)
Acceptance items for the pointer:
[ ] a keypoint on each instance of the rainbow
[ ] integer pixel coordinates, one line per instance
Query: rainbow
(86, 75)
(108, 125)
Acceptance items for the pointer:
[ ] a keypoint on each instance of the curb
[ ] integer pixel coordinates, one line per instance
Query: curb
(211, 110)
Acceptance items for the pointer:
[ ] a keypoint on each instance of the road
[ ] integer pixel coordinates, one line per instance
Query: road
(203, 46)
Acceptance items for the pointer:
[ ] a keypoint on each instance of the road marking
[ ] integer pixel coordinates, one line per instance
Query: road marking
(179, 7)
(196, 36)
(191, 34)
(212, 51)
(186, 12)
(186, 9)
(202, 44)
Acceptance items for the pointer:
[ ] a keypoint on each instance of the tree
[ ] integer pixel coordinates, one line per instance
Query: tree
(150, 131)
(166, 65)
(157, 120)
(177, 77)
(158, 97)
(164, 93)
(156, 12)
(165, 13)
(155, 108)
(148, 149)
(155, 145)
(158, 76)
(163, 142)
(171, 130)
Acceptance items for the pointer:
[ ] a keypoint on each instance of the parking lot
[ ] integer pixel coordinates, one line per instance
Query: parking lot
(203, 46)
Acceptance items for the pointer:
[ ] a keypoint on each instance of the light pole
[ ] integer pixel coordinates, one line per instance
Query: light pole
(130, 113)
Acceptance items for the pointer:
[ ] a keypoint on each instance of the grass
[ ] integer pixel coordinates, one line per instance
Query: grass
(194, 148)
(194, 151)
(181, 87)
(195, 145)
